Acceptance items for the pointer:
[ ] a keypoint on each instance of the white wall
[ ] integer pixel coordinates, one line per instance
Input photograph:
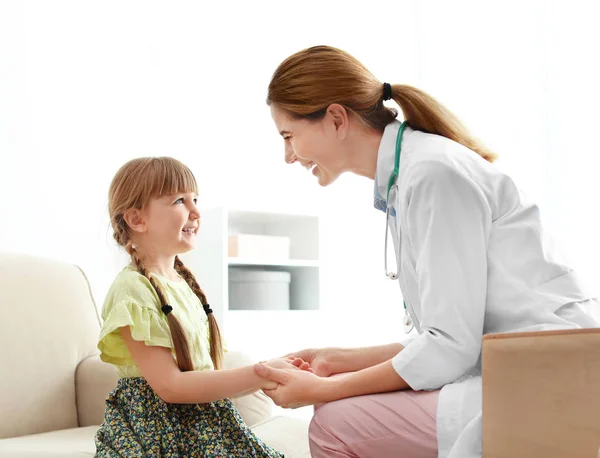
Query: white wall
(85, 86)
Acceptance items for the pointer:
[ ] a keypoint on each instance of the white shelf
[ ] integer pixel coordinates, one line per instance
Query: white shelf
(263, 330)
(273, 262)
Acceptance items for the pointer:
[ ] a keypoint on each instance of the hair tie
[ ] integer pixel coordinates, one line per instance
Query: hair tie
(207, 308)
(387, 91)
(166, 309)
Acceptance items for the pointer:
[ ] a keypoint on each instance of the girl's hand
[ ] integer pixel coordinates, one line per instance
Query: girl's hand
(267, 385)
(290, 363)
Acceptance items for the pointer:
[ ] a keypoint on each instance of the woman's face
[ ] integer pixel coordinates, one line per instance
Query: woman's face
(316, 145)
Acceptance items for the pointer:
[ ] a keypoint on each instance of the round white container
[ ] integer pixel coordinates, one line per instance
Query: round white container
(253, 289)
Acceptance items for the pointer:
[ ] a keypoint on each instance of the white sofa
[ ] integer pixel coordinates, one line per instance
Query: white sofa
(52, 383)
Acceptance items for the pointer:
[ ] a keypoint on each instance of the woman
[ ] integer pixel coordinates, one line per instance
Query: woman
(472, 258)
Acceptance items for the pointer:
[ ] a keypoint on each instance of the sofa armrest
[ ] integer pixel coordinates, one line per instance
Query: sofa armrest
(541, 394)
(94, 379)
(257, 407)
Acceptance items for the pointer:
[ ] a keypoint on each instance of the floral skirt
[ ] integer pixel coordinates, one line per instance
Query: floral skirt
(137, 423)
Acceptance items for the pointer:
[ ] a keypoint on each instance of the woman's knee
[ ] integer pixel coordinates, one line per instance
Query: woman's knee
(321, 431)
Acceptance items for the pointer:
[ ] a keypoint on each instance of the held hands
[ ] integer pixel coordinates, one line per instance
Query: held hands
(300, 378)
(283, 363)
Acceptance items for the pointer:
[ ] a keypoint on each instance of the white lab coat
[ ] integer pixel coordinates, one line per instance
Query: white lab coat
(473, 259)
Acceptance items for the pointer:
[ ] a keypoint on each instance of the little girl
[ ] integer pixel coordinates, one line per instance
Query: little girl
(160, 332)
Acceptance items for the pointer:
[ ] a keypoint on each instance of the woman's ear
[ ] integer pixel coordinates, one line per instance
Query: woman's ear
(340, 118)
(135, 220)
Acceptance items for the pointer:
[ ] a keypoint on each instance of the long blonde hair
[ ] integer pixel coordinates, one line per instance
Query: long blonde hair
(307, 82)
(136, 182)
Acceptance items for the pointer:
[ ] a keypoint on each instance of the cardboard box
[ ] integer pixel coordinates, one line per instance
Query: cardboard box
(259, 246)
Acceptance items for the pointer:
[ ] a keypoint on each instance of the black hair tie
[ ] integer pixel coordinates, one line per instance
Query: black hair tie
(207, 308)
(387, 91)
(166, 309)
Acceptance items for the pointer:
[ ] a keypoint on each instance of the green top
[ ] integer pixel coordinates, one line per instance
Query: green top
(132, 301)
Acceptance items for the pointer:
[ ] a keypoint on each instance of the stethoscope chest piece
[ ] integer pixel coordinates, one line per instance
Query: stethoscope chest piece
(407, 322)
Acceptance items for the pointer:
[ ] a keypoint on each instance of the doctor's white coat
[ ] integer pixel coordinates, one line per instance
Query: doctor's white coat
(473, 259)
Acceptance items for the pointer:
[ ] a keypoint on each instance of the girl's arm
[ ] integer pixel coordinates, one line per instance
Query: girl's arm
(160, 370)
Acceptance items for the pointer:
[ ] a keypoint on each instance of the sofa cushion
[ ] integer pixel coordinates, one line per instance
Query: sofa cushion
(49, 324)
(286, 434)
(257, 407)
(68, 443)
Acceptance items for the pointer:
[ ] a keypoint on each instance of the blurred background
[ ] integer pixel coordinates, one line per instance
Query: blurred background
(86, 86)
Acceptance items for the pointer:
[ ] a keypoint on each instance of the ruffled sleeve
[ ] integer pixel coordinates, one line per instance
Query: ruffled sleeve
(146, 326)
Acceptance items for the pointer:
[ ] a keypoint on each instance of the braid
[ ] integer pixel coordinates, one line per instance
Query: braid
(187, 275)
(141, 269)
(216, 344)
(180, 342)
(120, 231)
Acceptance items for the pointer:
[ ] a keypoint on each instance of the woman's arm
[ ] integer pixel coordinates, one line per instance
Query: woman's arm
(355, 359)
(330, 361)
(160, 370)
(298, 388)
(380, 378)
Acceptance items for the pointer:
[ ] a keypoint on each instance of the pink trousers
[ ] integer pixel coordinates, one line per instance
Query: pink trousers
(400, 424)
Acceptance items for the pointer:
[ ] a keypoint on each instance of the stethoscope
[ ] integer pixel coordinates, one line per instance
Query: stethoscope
(407, 320)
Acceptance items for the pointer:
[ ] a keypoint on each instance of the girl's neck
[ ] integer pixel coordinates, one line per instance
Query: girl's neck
(163, 266)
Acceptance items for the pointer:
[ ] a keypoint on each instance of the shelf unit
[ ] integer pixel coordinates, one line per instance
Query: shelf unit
(262, 333)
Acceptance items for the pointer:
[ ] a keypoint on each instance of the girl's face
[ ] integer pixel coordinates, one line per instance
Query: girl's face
(168, 225)
(316, 145)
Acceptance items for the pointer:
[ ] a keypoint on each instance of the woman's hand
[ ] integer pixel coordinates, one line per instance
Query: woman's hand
(329, 361)
(287, 362)
(296, 388)
(316, 360)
